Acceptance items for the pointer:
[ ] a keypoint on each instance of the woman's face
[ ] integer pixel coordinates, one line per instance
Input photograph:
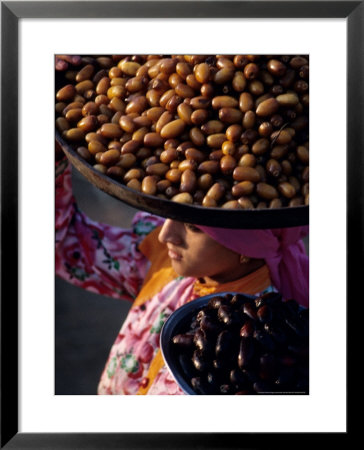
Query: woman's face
(194, 253)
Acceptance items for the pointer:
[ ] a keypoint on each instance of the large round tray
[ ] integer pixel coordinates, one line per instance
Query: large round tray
(218, 217)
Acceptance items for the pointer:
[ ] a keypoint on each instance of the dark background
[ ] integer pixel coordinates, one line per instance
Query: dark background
(86, 324)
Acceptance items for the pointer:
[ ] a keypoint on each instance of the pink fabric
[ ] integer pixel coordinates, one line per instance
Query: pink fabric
(96, 256)
(138, 342)
(281, 248)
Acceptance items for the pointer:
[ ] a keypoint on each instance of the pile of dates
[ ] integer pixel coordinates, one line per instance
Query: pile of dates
(240, 345)
(228, 131)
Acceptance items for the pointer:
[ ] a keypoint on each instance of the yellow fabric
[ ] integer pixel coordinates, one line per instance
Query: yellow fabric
(154, 368)
(161, 273)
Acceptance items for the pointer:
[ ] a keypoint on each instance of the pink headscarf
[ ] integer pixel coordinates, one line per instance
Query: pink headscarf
(281, 248)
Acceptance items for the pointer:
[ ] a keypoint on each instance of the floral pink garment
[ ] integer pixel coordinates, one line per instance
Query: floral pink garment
(138, 342)
(96, 256)
(106, 260)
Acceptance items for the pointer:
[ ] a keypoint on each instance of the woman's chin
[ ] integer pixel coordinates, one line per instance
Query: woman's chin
(179, 268)
(183, 271)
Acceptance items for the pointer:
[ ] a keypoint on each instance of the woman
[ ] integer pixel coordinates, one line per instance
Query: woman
(161, 265)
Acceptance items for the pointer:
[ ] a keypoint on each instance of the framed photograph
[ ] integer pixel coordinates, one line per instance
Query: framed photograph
(32, 33)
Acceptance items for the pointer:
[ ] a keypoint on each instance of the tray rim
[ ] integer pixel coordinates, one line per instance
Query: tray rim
(243, 219)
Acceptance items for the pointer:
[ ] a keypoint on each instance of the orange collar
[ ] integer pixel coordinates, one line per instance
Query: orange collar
(252, 283)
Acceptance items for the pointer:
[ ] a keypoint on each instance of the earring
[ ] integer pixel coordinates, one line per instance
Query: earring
(244, 259)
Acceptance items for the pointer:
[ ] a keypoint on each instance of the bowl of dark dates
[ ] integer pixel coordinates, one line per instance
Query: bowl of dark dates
(236, 344)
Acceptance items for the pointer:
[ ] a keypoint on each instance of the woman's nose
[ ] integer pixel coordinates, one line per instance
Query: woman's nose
(171, 232)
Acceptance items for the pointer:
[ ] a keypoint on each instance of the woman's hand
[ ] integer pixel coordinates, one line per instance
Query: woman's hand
(63, 61)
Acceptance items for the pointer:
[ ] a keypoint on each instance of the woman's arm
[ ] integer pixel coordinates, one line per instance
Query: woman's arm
(96, 256)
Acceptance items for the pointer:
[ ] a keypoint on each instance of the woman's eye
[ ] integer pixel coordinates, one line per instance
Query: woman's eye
(193, 228)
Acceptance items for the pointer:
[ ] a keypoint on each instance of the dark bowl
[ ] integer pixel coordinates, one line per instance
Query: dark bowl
(176, 323)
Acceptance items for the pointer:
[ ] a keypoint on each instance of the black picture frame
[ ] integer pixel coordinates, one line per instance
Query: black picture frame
(11, 13)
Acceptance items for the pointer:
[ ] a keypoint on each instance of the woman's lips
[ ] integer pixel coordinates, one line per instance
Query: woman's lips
(174, 255)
